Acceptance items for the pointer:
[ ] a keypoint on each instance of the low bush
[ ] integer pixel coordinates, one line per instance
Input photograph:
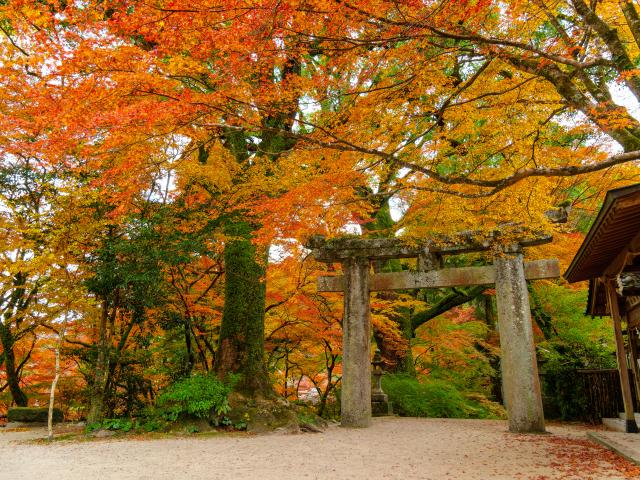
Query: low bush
(115, 424)
(576, 342)
(435, 398)
(200, 396)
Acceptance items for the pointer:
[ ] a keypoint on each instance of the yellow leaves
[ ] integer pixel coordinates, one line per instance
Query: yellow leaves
(212, 166)
(33, 13)
(611, 117)
(184, 65)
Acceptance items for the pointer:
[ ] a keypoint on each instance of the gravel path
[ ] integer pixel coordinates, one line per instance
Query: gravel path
(402, 448)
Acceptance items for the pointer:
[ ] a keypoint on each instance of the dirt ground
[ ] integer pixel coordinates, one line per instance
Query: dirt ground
(403, 448)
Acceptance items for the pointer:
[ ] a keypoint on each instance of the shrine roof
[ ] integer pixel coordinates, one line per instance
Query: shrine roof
(614, 229)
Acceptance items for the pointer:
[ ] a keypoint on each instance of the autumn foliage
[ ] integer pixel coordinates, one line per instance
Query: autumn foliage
(153, 154)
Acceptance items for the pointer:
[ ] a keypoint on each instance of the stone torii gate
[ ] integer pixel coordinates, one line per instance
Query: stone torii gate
(509, 273)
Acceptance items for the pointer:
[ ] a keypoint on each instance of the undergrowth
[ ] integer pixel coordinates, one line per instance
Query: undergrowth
(436, 398)
(200, 397)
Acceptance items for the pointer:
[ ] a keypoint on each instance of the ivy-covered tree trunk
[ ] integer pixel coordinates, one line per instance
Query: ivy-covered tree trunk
(13, 380)
(241, 343)
(98, 387)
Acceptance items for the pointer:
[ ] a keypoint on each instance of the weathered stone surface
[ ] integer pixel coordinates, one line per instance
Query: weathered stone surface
(629, 284)
(340, 249)
(519, 367)
(446, 277)
(356, 368)
(310, 427)
(33, 415)
(263, 415)
(381, 409)
(509, 273)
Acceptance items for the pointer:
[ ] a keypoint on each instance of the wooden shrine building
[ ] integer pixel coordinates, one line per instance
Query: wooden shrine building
(609, 258)
(509, 273)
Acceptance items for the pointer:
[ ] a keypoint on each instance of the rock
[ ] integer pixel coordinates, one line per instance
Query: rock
(288, 430)
(33, 415)
(265, 415)
(310, 427)
(381, 408)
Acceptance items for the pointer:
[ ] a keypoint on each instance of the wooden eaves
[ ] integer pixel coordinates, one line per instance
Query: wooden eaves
(609, 259)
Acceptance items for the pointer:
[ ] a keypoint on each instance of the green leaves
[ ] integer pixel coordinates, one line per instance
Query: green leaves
(201, 396)
(433, 398)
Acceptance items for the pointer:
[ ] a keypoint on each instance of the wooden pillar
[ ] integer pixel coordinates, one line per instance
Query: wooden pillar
(623, 370)
(632, 335)
(356, 348)
(521, 384)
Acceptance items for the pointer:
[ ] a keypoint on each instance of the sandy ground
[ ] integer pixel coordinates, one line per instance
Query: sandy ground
(392, 448)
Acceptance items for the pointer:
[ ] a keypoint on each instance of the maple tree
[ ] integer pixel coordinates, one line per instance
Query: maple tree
(26, 191)
(303, 332)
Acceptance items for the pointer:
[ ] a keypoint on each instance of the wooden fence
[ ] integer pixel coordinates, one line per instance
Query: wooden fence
(603, 394)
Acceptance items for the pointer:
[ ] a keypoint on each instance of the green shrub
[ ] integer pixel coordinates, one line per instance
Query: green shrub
(152, 424)
(33, 414)
(115, 424)
(201, 396)
(434, 398)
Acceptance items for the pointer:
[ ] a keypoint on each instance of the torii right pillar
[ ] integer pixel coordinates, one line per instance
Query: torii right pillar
(520, 380)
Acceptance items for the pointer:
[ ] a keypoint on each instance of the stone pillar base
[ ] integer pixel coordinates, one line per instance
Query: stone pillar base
(381, 409)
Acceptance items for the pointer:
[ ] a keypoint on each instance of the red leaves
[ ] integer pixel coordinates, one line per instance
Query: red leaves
(577, 458)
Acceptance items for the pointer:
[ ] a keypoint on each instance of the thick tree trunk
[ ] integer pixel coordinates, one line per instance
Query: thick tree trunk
(241, 343)
(97, 395)
(407, 364)
(13, 380)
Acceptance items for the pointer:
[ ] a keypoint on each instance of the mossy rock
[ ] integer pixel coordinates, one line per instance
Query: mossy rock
(268, 415)
(191, 425)
(33, 415)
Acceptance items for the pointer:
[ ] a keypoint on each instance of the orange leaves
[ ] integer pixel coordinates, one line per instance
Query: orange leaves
(307, 194)
(303, 333)
(581, 458)
(448, 342)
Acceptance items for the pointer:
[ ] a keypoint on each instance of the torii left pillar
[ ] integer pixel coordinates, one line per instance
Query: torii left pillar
(520, 379)
(356, 365)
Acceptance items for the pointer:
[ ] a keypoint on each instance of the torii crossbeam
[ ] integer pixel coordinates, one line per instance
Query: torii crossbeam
(509, 273)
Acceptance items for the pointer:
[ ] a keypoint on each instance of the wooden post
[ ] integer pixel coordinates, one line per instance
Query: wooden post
(632, 335)
(356, 348)
(623, 370)
(521, 384)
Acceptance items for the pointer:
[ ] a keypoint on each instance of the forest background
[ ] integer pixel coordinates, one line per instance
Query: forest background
(163, 163)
